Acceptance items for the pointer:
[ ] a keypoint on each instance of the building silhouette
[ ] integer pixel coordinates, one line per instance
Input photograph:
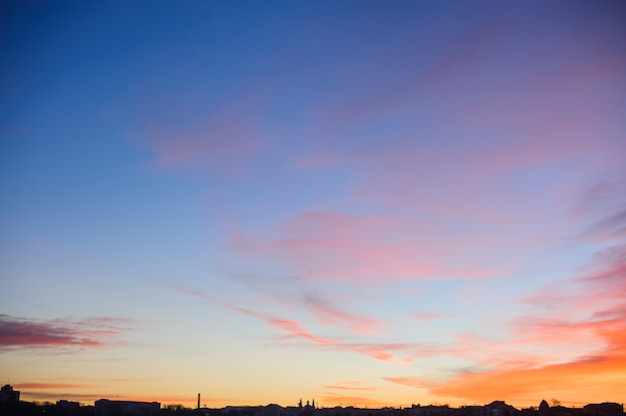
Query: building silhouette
(7, 394)
(68, 405)
(105, 407)
(10, 405)
(604, 409)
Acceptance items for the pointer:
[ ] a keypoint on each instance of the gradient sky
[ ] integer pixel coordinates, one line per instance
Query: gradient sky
(371, 203)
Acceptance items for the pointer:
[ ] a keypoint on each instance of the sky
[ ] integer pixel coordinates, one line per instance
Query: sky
(368, 203)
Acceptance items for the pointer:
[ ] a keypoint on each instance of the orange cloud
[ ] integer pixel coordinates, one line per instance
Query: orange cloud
(598, 378)
(329, 400)
(593, 316)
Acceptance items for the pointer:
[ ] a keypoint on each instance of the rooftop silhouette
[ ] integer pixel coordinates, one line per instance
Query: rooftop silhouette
(11, 405)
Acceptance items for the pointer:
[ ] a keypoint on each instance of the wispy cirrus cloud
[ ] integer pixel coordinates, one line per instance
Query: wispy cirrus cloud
(295, 329)
(610, 225)
(571, 345)
(225, 137)
(357, 249)
(224, 145)
(592, 302)
(51, 386)
(415, 382)
(16, 332)
(294, 332)
(327, 312)
(350, 385)
(586, 377)
(589, 315)
(594, 293)
(429, 316)
(292, 293)
(290, 328)
(597, 374)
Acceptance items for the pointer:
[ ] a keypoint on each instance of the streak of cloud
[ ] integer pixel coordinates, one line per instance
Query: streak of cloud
(61, 332)
(294, 331)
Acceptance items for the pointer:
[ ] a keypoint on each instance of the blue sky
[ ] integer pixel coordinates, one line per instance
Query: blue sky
(370, 203)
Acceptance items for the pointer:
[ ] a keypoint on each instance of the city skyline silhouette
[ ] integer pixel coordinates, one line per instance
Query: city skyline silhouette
(10, 404)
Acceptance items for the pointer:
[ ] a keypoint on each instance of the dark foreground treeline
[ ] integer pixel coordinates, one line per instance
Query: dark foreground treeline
(64, 408)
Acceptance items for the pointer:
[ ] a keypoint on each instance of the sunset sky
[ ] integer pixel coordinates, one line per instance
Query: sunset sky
(370, 203)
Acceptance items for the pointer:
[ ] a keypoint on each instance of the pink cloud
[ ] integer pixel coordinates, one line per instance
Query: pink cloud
(610, 226)
(430, 316)
(600, 196)
(569, 346)
(401, 352)
(590, 316)
(597, 287)
(414, 176)
(591, 311)
(573, 339)
(378, 352)
(601, 207)
(358, 249)
(328, 313)
(546, 331)
(415, 382)
(324, 306)
(549, 117)
(546, 111)
(294, 331)
(225, 138)
(62, 332)
(465, 345)
(225, 145)
(571, 379)
(288, 327)
(409, 81)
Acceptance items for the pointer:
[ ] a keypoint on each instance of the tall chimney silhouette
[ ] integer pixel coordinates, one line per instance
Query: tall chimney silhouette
(198, 400)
